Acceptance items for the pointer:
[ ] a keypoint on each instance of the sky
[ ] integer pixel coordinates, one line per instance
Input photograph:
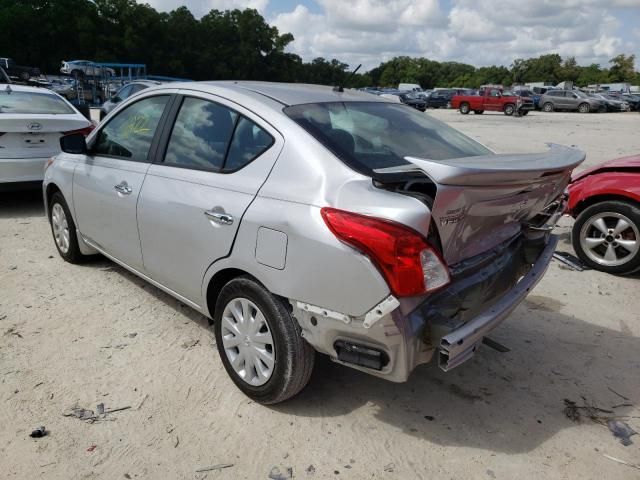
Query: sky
(478, 32)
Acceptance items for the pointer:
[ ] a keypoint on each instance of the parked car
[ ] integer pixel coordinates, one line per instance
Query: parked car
(301, 218)
(123, 93)
(62, 88)
(409, 87)
(492, 99)
(32, 120)
(413, 101)
(85, 68)
(605, 201)
(4, 78)
(632, 99)
(611, 104)
(440, 99)
(570, 100)
(19, 72)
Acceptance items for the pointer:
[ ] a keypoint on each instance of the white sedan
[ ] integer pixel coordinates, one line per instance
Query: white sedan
(32, 120)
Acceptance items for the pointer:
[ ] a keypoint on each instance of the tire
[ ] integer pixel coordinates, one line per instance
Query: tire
(509, 109)
(292, 357)
(478, 112)
(24, 76)
(548, 107)
(584, 108)
(622, 259)
(63, 230)
(524, 112)
(464, 108)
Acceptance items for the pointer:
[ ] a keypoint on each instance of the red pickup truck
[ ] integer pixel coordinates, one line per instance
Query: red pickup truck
(492, 98)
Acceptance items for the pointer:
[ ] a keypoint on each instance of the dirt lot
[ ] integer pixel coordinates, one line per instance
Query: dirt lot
(84, 335)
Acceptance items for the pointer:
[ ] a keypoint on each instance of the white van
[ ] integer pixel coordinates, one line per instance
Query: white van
(409, 87)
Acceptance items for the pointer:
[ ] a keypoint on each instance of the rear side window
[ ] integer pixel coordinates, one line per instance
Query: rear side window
(368, 136)
(32, 103)
(201, 135)
(209, 136)
(129, 134)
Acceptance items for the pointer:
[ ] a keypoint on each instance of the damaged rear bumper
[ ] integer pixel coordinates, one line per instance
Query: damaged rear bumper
(449, 324)
(460, 345)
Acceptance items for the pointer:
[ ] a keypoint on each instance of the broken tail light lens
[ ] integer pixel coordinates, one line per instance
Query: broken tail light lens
(84, 131)
(408, 263)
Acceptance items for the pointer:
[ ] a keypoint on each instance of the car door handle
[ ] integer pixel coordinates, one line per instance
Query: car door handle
(123, 188)
(219, 217)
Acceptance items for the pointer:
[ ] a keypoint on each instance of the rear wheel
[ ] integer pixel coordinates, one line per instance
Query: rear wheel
(260, 343)
(606, 236)
(509, 109)
(548, 107)
(64, 230)
(464, 108)
(584, 108)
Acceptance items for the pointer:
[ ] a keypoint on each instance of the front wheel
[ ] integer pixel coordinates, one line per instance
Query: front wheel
(64, 230)
(509, 109)
(260, 343)
(584, 108)
(606, 236)
(464, 108)
(548, 107)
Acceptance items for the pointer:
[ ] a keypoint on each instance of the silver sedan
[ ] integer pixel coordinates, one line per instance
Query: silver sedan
(304, 219)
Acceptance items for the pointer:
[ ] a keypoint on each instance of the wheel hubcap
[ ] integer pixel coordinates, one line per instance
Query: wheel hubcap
(60, 227)
(610, 239)
(247, 341)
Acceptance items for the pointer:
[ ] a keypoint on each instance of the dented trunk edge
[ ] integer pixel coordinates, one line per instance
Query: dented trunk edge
(409, 332)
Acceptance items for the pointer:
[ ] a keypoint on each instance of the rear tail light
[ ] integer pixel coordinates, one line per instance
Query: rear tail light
(84, 131)
(408, 263)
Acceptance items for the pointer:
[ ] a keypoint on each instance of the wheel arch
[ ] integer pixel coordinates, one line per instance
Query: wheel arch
(217, 282)
(582, 205)
(49, 191)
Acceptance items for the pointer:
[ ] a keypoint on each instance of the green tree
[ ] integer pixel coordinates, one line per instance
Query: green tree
(622, 68)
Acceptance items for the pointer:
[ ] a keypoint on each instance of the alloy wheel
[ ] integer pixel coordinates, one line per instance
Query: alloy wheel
(610, 239)
(60, 227)
(247, 341)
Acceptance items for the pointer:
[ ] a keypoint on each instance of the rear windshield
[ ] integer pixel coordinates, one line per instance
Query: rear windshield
(30, 102)
(368, 136)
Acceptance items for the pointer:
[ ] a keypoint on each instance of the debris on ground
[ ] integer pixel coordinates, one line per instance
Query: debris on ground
(219, 466)
(311, 470)
(390, 467)
(13, 331)
(190, 344)
(92, 448)
(429, 417)
(90, 416)
(571, 261)
(622, 431)
(277, 474)
(39, 432)
(632, 465)
(619, 394)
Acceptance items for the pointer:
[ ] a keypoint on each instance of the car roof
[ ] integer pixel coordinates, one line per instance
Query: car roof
(23, 88)
(288, 93)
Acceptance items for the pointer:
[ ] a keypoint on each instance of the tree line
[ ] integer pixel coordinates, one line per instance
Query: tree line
(241, 45)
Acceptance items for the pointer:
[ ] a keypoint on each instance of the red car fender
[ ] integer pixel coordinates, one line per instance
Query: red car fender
(606, 184)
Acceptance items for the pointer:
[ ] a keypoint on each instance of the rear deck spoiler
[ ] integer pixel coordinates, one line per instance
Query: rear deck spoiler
(494, 169)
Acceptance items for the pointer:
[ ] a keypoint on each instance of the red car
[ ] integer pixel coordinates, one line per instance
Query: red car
(494, 99)
(605, 201)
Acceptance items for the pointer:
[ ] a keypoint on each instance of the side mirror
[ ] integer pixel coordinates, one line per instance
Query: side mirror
(74, 143)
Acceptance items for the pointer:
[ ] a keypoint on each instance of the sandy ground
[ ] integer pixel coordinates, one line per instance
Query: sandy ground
(84, 335)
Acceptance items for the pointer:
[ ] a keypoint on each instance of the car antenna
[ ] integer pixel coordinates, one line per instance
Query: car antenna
(338, 88)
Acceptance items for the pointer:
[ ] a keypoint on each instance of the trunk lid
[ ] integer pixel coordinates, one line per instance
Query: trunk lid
(35, 136)
(483, 201)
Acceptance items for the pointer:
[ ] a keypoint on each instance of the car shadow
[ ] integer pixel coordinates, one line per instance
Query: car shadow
(21, 204)
(511, 402)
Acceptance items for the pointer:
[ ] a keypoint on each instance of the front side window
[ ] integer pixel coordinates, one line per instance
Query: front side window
(368, 136)
(129, 134)
(32, 103)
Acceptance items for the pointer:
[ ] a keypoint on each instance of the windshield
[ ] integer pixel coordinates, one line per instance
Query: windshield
(580, 94)
(368, 136)
(32, 103)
